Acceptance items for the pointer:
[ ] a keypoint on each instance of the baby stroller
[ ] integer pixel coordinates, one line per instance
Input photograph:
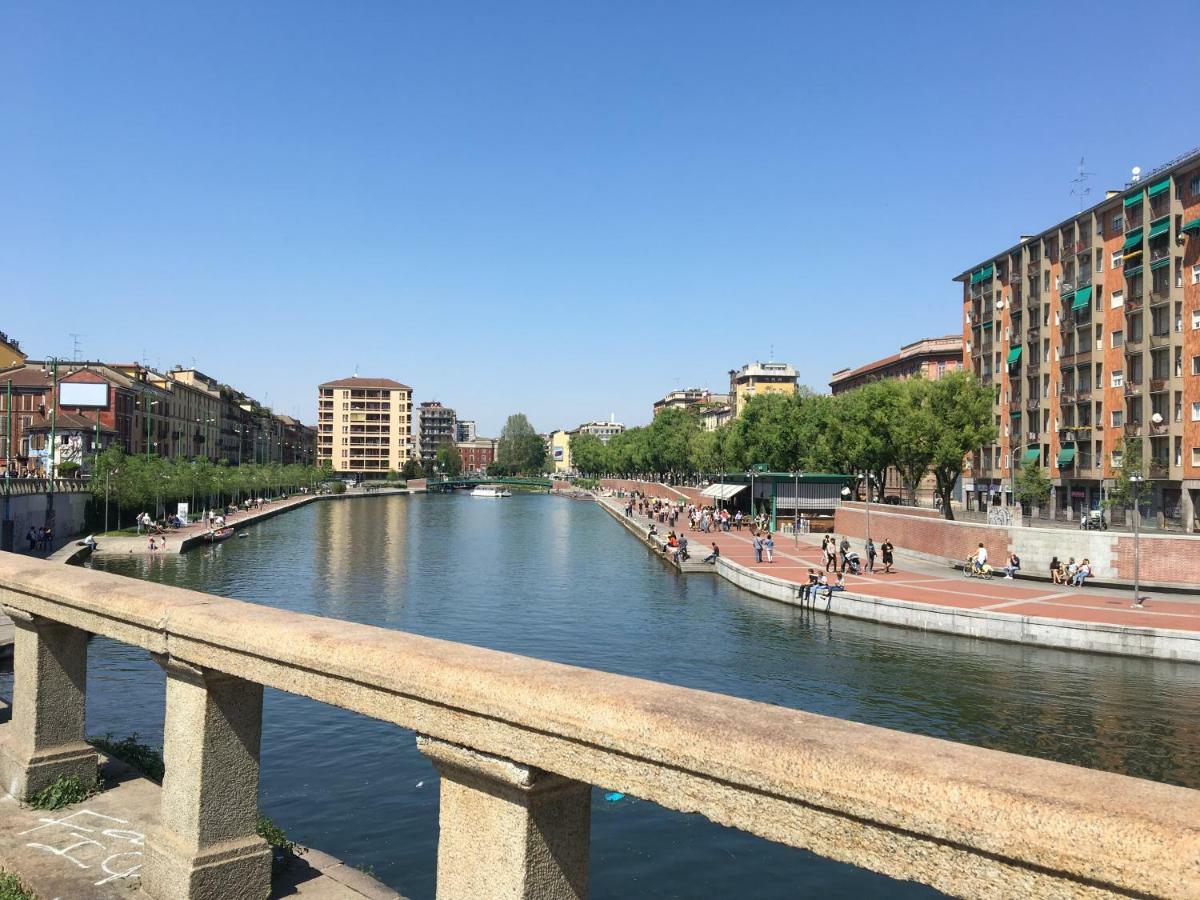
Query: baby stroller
(853, 565)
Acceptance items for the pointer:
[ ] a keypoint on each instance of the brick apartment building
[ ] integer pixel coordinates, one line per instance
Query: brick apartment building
(1089, 332)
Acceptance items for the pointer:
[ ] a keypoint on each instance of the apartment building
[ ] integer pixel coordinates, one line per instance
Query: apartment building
(465, 431)
(1089, 333)
(928, 358)
(10, 352)
(436, 425)
(756, 378)
(477, 454)
(682, 399)
(364, 425)
(603, 430)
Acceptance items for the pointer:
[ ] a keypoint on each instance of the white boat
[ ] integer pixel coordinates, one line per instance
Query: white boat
(487, 490)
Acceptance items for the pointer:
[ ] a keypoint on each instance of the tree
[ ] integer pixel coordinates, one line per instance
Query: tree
(521, 450)
(668, 438)
(961, 422)
(911, 434)
(410, 469)
(449, 459)
(1125, 492)
(1033, 486)
(588, 454)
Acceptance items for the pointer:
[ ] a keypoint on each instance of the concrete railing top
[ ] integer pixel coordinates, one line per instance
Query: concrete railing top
(965, 820)
(19, 486)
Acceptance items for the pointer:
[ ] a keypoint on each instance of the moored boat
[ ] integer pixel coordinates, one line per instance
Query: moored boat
(490, 490)
(219, 534)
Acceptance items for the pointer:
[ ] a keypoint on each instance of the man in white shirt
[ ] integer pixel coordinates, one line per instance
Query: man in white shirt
(981, 558)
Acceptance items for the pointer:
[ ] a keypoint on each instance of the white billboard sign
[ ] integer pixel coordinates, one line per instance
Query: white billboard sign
(79, 393)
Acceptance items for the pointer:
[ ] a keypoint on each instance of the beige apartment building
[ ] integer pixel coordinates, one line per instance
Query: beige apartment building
(364, 425)
(1089, 332)
(757, 378)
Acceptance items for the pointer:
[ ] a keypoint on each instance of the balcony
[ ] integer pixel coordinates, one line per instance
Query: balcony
(1133, 429)
(1015, 339)
(1014, 405)
(1083, 394)
(1160, 339)
(1033, 403)
(1133, 304)
(1158, 385)
(1083, 355)
(1159, 428)
(1032, 365)
(1133, 346)
(1032, 437)
(1133, 389)
(1158, 469)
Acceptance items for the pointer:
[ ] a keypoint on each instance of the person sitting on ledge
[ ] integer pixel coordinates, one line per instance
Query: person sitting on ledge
(1082, 574)
(840, 586)
(1014, 565)
(715, 555)
(1056, 571)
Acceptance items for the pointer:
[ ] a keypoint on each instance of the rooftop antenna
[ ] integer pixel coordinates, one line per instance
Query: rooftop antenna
(75, 345)
(1081, 189)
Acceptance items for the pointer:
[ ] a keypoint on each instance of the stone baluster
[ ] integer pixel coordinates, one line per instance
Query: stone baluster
(206, 847)
(508, 830)
(45, 740)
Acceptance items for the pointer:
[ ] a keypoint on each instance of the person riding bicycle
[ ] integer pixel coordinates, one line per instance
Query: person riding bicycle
(979, 560)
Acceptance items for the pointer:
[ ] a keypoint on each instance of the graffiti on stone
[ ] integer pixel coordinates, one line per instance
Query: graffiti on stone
(91, 840)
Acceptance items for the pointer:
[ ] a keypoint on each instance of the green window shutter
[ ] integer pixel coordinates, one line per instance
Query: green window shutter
(1162, 263)
(1158, 187)
(1162, 226)
(1033, 455)
(1083, 297)
(1014, 354)
(1193, 225)
(1133, 199)
(1066, 457)
(1130, 271)
(1133, 239)
(982, 274)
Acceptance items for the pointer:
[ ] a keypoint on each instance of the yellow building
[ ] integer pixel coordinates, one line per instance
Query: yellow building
(364, 426)
(758, 378)
(560, 451)
(10, 352)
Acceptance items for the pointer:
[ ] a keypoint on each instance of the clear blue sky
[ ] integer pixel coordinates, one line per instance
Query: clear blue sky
(545, 207)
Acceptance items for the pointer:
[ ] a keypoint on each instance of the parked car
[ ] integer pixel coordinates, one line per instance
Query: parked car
(892, 499)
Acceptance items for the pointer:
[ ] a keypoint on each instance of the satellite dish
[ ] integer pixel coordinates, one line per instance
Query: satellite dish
(1137, 170)
(999, 304)
(1156, 419)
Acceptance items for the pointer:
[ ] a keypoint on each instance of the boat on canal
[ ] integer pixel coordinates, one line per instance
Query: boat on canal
(219, 534)
(490, 490)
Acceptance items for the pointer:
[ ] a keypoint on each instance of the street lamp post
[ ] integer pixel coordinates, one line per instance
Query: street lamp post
(1135, 481)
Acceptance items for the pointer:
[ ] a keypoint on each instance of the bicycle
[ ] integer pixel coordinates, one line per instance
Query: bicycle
(971, 570)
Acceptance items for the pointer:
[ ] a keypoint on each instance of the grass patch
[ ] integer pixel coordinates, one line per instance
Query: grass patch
(12, 888)
(133, 753)
(65, 790)
(277, 838)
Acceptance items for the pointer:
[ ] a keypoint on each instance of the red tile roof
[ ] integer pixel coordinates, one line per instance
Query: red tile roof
(384, 383)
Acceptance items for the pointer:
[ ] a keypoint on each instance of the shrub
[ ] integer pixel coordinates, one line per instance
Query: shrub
(277, 838)
(11, 888)
(65, 790)
(133, 753)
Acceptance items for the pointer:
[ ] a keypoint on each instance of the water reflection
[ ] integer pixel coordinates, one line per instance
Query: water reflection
(560, 580)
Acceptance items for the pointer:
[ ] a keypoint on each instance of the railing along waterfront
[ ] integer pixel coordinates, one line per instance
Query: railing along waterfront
(520, 742)
(16, 487)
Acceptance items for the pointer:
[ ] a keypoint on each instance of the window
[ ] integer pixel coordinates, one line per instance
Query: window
(1118, 418)
(1118, 223)
(1195, 319)
(1196, 185)
(1195, 411)
(1196, 274)
(1196, 365)
(1118, 339)
(1118, 299)
(1099, 263)
(1196, 456)
(1117, 257)
(1118, 379)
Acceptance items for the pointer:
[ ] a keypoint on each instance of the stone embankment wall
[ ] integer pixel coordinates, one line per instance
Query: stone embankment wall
(30, 510)
(653, 489)
(1165, 559)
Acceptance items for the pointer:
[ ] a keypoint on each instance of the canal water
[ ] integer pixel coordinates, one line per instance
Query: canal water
(558, 579)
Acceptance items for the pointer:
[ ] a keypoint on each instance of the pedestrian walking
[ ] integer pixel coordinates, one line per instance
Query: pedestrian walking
(844, 550)
(769, 547)
(870, 556)
(828, 548)
(887, 549)
(757, 544)
(32, 538)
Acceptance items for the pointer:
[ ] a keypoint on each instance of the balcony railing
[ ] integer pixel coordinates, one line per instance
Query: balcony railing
(519, 742)
(1014, 405)
(1158, 469)
(1133, 388)
(1158, 385)
(1158, 428)
(1133, 429)
(1133, 346)
(1133, 303)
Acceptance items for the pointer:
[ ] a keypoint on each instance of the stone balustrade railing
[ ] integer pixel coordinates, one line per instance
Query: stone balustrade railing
(16, 487)
(519, 743)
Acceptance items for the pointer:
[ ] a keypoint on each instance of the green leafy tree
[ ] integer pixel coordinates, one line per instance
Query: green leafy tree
(1126, 492)
(668, 438)
(1033, 486)
(911, 433)
(588, 454)
(410, 469)
(962, 420)
(449, 459)
(521, 450)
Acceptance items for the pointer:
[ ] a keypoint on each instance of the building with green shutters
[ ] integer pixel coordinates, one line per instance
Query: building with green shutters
(1089, 332)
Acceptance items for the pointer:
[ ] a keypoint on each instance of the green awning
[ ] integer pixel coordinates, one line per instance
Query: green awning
(1066, 457)
(1014, 354)
(1064, 296)
(1130, 271)
(1133, 239)
(1162, 226)
(1158, 187)
(1193, 225)
(1033, 455)
(1083, 297)
(1155, 266)
(982, 274)
(1133, 198)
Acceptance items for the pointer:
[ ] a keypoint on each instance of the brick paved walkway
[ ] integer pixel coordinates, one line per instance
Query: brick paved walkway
(1024, 598)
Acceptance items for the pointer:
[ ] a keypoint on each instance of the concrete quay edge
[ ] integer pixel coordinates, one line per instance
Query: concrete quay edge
(1061, 634)
(693, 566)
